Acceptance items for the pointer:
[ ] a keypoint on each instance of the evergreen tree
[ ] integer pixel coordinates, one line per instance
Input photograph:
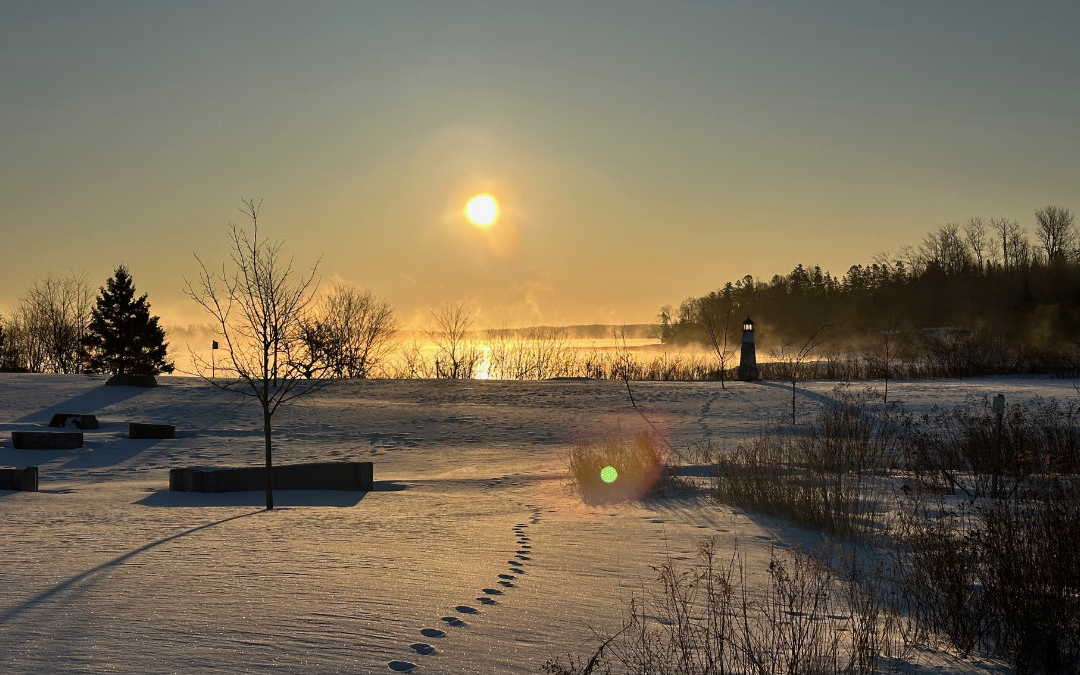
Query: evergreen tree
(123, 338)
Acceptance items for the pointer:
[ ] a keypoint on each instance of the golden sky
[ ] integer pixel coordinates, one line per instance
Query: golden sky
(640, 152)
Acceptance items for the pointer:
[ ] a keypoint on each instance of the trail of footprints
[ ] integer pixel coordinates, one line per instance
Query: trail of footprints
(490, 596)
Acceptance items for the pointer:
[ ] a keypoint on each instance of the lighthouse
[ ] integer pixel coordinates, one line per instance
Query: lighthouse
(748, 357)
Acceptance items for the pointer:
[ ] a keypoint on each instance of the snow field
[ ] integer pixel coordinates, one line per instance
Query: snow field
(470, 556)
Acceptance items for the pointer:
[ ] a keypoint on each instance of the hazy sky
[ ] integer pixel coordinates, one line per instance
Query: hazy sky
(642, 152)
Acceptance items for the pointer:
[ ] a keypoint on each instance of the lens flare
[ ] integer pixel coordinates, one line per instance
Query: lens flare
(608, 474)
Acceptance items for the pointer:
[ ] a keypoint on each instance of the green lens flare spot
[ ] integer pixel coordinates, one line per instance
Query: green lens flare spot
(608, 474)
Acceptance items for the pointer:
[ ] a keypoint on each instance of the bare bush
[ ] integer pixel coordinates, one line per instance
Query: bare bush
(351, 333)
(999, 576)
(706, 620)
(456, 353)
(825, 478)
(530, 353)
(1038, 438)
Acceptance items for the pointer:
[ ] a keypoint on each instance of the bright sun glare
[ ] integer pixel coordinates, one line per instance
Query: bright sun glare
(482, 210)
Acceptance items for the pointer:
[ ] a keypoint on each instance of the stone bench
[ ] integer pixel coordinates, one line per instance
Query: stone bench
(356, 476)
(81, 421)
(46, 440)
(136, 430)
(23, 478)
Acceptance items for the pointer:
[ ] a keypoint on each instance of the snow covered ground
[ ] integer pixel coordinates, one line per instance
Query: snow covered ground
(470, 555)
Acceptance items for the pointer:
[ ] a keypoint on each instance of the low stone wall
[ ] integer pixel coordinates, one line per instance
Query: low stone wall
(81, 421)
(24, 478)
(136, 430)
(46, 440)
(356, 476)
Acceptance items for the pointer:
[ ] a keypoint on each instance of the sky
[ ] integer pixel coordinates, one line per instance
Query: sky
(641, 152)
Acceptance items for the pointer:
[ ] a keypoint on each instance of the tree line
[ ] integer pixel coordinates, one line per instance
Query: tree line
(983, 296)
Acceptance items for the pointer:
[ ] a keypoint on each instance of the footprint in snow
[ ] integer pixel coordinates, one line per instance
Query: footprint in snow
(492, 591)
(508, 584)
(521, 555)
(488, 601)
(433, 633)
(401, 666)
(454, 621)
(422, 648)
(465, 609)
(507, 576)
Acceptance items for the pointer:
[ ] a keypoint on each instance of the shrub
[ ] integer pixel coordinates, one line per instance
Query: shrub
(1038, 438)
(617, 470)
(705, 620)
(825, 478)
(999, 576)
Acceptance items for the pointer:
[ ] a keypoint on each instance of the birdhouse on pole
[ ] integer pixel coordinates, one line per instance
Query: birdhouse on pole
(748, 357)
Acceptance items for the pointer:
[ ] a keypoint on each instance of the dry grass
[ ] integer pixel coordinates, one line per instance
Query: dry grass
(617, 470)
(705, 620)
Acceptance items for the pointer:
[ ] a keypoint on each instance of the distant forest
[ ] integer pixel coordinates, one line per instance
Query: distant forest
(980, 297)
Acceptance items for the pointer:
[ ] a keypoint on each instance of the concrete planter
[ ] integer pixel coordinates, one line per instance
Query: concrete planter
(355, 476)
(23, 478)
(46, 440)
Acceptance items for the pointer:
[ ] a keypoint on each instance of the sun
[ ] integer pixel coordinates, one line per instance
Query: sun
(482, 210)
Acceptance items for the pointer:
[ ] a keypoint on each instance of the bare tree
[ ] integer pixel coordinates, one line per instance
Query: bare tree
(53, 318)
(890, 334)
(1010, 238)
(1020, 247)
(945, 249)
(976, 238)
(794, 356)
(456, 355)
(1055, 232)
(21, 352)
(9, 355)
(351, 334)
(714, 317)
(258, 305)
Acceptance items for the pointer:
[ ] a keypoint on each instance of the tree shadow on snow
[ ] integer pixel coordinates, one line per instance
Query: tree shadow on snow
(110, 453)
(257, 498)
(812, 395)
(86, 578)
(85, 403)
